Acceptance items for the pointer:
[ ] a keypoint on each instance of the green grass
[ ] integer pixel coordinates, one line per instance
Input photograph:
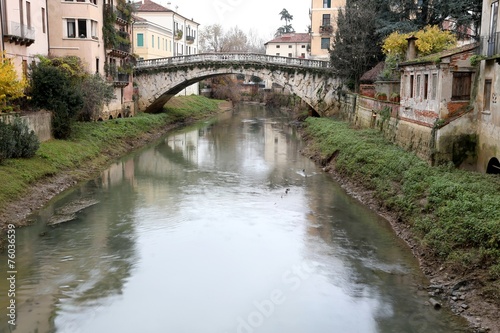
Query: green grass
(454, 213)
(91, 141)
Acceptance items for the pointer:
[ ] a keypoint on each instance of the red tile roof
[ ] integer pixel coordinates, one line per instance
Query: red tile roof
(150, 6)
(292, 38)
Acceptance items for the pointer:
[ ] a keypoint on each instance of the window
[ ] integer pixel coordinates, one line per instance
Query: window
(71, 27)
(153, 41)
(417, 91)
(303, 46)
(97, 65)
(28, 14)
(326, 19)
(290, 55)
(461, 86)
(140, 40)
(93, 29)
(290, 46)
(159, 43)
(278, 54)
(25, 68)
(487, 95)
(426, 85)
(434, 85)
(43, 20)
(327, 3)
(302, 55)
(493, 28)
(82, 28)
(325, 43)
(412, 78)
(278, 46)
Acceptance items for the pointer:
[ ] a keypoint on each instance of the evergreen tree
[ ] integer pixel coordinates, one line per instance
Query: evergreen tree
(412, 15)
(356, 47)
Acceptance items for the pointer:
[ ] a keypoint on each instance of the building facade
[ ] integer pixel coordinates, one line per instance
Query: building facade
(487, 101)
(324, 15)
(24, 31)
(99, 33)
(152, 41)
(293, 45)
(161, 32)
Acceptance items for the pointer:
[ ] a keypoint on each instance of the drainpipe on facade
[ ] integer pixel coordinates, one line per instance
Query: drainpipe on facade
(47, 26)
(2, 7)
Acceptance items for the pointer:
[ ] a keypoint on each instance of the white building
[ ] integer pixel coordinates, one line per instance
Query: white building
(161, 32)
(293, 45)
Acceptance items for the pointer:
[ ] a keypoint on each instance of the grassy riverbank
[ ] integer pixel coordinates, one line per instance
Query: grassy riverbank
(92, 146)
(453, 215)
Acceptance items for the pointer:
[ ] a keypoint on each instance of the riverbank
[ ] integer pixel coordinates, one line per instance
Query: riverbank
(28, 184)
(449, 218)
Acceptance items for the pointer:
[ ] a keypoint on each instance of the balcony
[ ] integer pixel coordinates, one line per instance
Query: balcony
(121, 17)
(19, 34)
(178, 34)
(326, 29)
(120, 50)
(190, 39)
(490, 46)
(121, 80)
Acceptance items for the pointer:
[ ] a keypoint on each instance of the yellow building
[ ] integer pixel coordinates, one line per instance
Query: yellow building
(23, 25)
(152, 41)
(324, 15)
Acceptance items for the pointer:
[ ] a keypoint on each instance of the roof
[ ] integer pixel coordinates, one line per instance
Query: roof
(372, 75)
(150, 6)
(292, 38)
(431, 58)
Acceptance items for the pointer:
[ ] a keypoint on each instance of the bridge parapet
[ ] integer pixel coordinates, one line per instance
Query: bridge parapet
(250, 58)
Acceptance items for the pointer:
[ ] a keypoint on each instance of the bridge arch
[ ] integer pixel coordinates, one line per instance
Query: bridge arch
(160, 79)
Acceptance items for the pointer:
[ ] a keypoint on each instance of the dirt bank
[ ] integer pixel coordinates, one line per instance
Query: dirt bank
(462, 293)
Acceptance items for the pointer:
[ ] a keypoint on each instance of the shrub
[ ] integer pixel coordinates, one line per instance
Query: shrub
(17, 141)
(96, 92)
(26, 141)
(7, 143)
(55, 89)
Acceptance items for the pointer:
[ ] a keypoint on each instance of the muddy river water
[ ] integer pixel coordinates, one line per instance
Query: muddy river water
(222, 227)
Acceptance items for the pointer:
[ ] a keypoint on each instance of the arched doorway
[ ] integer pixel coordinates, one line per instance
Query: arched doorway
(493, 166)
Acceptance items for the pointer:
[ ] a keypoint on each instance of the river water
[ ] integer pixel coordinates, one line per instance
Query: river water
(219, 228)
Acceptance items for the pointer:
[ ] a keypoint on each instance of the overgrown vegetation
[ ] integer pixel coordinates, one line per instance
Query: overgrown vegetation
(454, 212)
(91, 144)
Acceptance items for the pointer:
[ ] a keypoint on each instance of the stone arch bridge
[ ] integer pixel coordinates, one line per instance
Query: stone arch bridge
(160, 79)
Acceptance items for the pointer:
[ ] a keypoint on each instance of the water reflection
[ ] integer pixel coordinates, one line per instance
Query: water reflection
(222, 227)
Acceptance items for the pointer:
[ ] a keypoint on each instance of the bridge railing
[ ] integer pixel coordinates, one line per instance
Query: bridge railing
(231, 57)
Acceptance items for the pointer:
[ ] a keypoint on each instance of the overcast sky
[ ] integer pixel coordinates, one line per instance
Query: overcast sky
(260, 15)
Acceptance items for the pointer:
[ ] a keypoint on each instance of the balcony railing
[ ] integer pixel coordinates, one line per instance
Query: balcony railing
(244, 58)
(326, 29)
(490, 45)
(190, 39)
(124, 35)
(120, 50)
(121, 80)
(19, 34)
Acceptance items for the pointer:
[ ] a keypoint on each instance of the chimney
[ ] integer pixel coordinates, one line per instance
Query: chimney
(411, 52)
(169, 5)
